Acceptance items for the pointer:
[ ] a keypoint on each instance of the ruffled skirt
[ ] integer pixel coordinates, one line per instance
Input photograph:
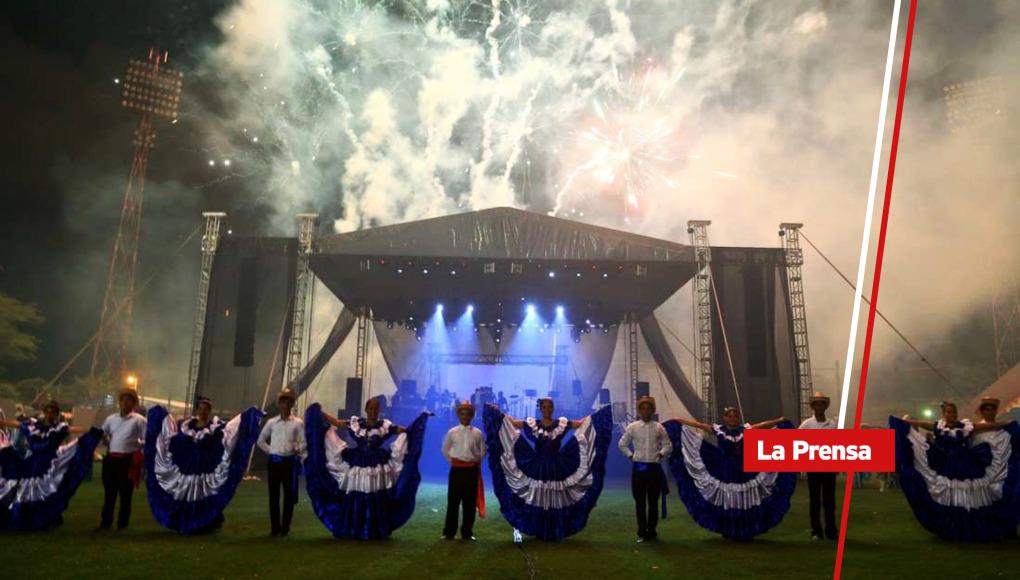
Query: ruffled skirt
(718, 494)
(357, 493)
(37, 503)
(188, 492)
(983, 508)
(549, 497)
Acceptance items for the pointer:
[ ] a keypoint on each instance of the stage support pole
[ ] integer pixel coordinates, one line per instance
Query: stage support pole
(210, 241)
(632, 363)
(789, 236)
(302, 294)
(698, 230)
(361, 350)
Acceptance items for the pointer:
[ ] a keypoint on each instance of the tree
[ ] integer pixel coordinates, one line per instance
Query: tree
(16, 344)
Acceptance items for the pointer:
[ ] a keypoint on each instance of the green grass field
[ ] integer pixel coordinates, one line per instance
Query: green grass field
(885, 542)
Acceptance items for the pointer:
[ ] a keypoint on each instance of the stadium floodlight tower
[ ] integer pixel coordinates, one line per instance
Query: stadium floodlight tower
(151, 89)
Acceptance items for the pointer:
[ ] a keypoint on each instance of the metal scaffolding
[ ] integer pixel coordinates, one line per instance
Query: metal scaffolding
(789, 236)
(302, 295)
(698, 230)
(361, 353)
(210, 240)
(632, 363)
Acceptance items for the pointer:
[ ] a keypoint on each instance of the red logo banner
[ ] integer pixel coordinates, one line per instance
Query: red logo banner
(820, 450)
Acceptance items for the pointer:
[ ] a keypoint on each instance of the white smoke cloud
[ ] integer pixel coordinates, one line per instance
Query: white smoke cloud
(761, 112)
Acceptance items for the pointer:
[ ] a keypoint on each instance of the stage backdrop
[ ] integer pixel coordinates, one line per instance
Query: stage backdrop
(753, 314)
(248, 321)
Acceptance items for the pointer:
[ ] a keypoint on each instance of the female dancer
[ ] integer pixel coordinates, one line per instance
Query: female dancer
(957, 487)
(365, 490)
(194, 466)
(547, 487)
(717, 492)
(36, 487)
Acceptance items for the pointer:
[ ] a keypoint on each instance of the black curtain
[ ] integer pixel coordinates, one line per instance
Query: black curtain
(667, 363)
(337, 335)
(750, 313)
(248, 321)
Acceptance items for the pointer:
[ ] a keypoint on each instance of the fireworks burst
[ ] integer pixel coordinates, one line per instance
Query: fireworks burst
(628, 150)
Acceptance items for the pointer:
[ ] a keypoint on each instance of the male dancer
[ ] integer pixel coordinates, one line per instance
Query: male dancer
(283, 439)
(821, 485)
(648, 480)
(122, 467)
(464, 448)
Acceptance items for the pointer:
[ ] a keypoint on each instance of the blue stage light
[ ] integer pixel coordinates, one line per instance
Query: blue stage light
(439, 308)
(559, 311)
(470, 308)
(552, 274)
(530, 309)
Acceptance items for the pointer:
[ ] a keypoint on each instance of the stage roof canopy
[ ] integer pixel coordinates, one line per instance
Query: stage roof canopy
(498, 261)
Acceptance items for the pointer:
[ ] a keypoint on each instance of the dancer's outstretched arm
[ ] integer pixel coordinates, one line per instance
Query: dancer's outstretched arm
(929, 425)
(695, 424)
(988, 426)
(768, 424)
(17, 425)
(333, 420)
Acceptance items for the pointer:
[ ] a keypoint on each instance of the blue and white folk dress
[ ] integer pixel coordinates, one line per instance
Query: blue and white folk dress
(362, 480)
(961, 487)
(715, 489)
(192, 472)
(35, 487)
(546, 484)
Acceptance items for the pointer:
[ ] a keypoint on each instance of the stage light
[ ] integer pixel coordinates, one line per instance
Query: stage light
(605, 275)
(587, 321)
(453, 272)
(470, 308)
(530, 309)
(400, 270)
(552, 274)
(559, 311)
(439, 308)
(927, 413)
(425, 271)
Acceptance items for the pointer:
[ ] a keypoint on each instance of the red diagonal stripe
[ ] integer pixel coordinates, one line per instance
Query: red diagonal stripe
(877, 279)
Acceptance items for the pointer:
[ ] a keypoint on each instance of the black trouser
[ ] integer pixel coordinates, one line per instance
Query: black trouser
(117, 481)
(462, 490)
(823, 494)
(646, 485)
(281, 473)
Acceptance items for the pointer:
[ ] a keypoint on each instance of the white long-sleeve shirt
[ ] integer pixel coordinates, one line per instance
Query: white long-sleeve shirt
(124, 434)
(465, 443)
(649, 439)
(284, 437)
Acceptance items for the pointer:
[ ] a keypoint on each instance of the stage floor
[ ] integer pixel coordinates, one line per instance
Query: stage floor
(885, 542)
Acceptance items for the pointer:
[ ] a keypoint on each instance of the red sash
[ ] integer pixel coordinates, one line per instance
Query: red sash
(135, 471)
(480, 499)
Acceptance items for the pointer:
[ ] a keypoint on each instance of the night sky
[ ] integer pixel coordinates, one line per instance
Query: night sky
(66, 155)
